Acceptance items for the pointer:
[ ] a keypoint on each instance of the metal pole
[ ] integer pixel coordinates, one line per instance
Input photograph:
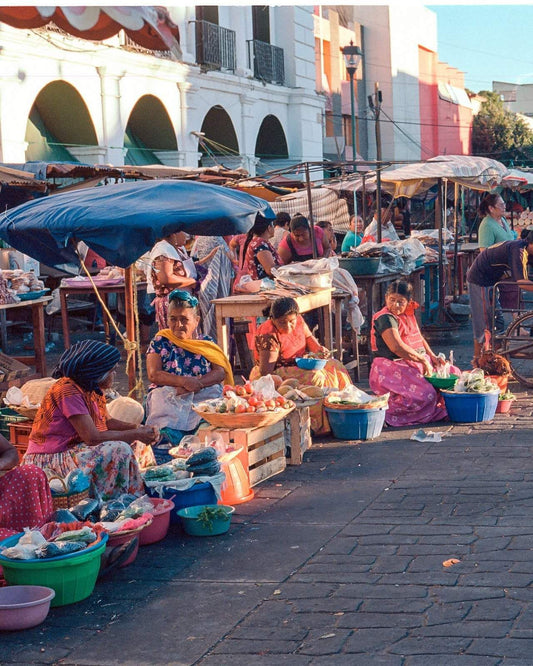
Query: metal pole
(310, 206)
(440, 275)
(130, 325)
(455, 242)
(351, 72)
(377, 109)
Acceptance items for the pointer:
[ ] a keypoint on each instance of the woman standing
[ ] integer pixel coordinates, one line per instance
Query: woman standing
(494, 228)
(171, 268)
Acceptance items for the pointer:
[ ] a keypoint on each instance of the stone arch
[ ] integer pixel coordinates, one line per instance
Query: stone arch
(221, 137)
(149, 132)
(59, 123)
(271, 142)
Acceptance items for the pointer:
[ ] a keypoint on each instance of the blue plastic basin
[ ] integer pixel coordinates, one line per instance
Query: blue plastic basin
(356, 423)
(199, 493)
(470, 407)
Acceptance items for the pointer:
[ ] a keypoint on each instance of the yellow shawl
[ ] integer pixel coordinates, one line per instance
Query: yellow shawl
(207, 349)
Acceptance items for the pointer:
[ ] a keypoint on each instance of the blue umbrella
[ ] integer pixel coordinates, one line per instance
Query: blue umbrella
(123, 221)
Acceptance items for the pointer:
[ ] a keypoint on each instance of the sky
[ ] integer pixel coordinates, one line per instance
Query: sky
(487, 42)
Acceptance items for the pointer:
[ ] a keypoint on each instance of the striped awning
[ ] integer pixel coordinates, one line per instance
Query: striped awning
(149, 27)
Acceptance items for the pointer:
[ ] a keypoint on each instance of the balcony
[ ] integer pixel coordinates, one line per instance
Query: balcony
(266, 61)
(215, 46)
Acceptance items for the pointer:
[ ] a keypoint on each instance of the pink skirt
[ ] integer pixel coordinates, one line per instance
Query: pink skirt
(413, 400)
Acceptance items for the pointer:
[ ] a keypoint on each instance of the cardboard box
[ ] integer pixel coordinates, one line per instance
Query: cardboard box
(11, 369)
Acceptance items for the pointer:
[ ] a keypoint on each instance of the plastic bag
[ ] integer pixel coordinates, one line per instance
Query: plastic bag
(167, 409)
(265, 386)
(77, 481)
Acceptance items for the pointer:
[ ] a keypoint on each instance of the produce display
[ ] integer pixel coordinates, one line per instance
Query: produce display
(33, 544)
(245, 399)
(353, 398)
(474, 381)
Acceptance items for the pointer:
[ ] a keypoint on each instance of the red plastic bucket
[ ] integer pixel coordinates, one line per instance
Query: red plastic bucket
(160, 524)
(118, 538)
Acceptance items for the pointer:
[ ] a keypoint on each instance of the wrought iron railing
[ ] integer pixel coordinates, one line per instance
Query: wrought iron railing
(215, 46)
(267, 62)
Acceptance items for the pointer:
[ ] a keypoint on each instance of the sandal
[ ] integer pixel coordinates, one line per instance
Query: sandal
(117, 556)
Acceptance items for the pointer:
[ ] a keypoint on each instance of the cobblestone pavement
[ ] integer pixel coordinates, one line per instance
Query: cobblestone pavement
(337, 561)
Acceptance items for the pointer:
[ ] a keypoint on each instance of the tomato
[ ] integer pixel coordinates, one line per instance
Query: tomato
(250, 409)
(240, 409)
(270, 404)
(227, 387)
(252, 400)
(260, 405)
(248, 388)
(280, 401)
(240, 390)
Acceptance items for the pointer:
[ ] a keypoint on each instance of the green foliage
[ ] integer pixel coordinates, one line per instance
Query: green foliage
(495, 130)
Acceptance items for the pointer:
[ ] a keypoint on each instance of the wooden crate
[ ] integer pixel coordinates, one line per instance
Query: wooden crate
(19, 435)
(263, 448)
(297, 435)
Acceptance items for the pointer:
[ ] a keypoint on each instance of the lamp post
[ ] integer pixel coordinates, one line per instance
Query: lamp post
(352, 57)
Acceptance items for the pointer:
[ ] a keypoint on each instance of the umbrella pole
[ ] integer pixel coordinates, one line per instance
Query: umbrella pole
(455, 242)
(130, 327)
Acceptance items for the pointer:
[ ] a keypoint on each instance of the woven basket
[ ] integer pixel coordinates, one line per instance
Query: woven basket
(27, 412)
(66, 500)
(235, 421)
(373, 404)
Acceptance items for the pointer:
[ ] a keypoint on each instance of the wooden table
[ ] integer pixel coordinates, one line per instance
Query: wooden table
(37, 319)
(252, 305)
(372, 285)
(85, 288)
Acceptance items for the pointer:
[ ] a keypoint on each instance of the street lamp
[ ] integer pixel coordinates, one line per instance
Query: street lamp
(352, 57)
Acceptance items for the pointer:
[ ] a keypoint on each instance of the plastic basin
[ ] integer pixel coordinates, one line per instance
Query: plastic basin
(360, 265)
(160, 524)
(24, 606)
(446, 383)
(194, 527)
(471, 407)
(199, 493)
(356, 423)
(120, 538)
(72, 576)
(504, 406)
(310, 363)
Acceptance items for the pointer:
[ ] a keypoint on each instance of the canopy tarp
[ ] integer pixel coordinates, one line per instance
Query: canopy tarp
(121, 222)
(477, 173)
(149, 27)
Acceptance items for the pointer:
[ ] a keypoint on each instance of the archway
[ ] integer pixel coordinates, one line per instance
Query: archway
(149, 131)
(59, 122)
(219, 144)
(271, 144)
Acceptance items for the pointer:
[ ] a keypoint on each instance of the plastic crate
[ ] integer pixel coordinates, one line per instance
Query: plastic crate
(7, 416)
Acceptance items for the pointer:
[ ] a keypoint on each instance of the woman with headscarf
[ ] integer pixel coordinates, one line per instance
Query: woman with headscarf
(73, 430)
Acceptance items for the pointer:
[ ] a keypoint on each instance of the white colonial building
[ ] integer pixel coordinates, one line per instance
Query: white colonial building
(242, 93)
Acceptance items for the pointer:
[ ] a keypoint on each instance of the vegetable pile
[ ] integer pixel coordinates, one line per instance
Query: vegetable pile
(475, 382)
(245, 400)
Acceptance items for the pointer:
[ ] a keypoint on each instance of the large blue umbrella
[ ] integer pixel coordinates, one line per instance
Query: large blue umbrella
(123, 221)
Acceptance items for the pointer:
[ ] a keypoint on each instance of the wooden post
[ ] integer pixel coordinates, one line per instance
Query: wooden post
(310, 206)
(130, 326)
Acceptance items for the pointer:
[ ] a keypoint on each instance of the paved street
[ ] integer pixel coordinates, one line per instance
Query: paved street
(337, 561)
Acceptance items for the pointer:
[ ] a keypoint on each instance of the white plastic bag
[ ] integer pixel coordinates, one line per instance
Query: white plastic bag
(165, 409)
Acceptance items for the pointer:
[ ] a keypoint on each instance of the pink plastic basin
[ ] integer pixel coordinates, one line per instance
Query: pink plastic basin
(159, 527)
(24, 606)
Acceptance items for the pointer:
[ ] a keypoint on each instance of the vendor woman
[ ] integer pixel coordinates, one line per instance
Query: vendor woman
(72, 429)
(284, 337)
(402, 357)
(176, 357)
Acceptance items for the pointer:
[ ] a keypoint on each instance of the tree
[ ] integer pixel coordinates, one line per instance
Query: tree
(496, 131)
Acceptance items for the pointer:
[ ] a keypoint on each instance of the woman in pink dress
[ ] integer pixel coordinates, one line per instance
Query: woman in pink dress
(402, 357)
(25, 499)
(298, 245)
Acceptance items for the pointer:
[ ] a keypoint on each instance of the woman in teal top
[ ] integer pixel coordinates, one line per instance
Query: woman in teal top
(494, 228)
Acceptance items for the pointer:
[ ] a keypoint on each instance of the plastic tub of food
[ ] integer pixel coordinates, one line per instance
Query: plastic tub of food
(160, 524)
(72, 576)
(471, 407)
(310, 363)
(193, 524)
(24, 606)
(356, 423)
(360, 265)
(446, 383)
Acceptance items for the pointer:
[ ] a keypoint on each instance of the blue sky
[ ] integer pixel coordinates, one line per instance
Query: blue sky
(487, 42)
